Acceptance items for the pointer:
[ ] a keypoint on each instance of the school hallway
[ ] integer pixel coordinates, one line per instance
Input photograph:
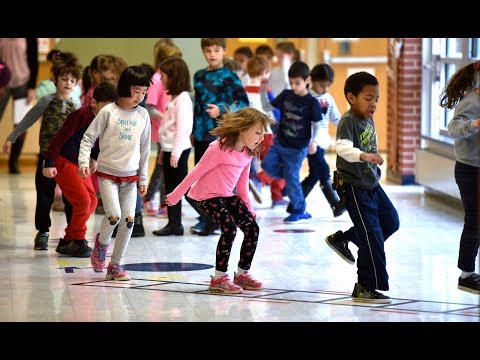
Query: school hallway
(304, 280)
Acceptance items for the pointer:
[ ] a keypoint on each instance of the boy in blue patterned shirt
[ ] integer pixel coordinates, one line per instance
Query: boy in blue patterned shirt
(216, 88)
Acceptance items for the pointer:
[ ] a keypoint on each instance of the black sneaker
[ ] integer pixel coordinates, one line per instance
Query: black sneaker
(78, 248)
(41, 241)
(340, 245)
(470, 284)
(62, 246)
(361, 294)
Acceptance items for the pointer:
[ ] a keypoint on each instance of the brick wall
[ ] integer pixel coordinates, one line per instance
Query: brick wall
(404, 110)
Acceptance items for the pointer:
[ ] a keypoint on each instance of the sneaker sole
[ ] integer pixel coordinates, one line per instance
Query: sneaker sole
(40, 248)
(246, 287)
(301, 221)
(470, 290)
(339, 253)
(223, 291)
(125, 278)
(373, 301)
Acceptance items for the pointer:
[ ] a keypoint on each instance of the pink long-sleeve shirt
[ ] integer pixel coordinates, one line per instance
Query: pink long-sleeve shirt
(217, 174)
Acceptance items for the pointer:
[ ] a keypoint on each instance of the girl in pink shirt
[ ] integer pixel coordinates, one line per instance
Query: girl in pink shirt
(224, 167)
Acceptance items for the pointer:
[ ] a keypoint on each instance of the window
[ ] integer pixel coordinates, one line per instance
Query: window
(442, 57)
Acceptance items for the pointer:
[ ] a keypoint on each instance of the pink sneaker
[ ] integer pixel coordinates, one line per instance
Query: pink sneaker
(224, 285)
(99, 254)
(247, 282)
(117, 272)
(149, 209)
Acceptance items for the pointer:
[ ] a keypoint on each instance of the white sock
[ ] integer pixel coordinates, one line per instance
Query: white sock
(219, 274)
(466, 274)
(240, 271)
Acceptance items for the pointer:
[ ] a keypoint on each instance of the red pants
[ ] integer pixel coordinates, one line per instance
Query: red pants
(276, 185)
(80, 194)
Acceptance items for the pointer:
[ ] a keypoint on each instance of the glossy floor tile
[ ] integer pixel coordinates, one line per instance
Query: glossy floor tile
(304, 280)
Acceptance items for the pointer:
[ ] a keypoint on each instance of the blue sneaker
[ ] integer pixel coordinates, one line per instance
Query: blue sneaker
(198, 227)
(298, 218)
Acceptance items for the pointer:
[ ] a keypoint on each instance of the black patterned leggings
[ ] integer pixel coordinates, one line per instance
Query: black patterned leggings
(229, 213)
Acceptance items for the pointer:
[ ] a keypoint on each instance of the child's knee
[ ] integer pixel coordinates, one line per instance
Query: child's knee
(113, 219)
(129, 220)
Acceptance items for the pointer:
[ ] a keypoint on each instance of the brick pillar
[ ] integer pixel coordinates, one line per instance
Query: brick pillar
(404, 83)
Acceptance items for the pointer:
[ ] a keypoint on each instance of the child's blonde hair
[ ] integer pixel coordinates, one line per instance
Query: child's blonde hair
(233, 122)
(164, 49)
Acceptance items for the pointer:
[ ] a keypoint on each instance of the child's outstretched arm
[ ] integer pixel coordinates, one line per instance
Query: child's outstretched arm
(28, 120)
(208, 161)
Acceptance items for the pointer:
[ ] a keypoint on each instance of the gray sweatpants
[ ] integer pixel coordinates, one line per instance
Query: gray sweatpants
(118, 201)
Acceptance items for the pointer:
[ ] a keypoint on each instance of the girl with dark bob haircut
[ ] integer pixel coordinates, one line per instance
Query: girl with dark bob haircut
(132, 76)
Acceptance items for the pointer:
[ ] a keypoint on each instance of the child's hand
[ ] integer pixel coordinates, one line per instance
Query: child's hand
(263, 84)
(213, 111)
(167, 202)
(92, 166)
(312, 148)
(84, 172)
(476, 123)
(49, 172)
(373, 158)
(174, 161)
(7, 147)
(142, 189)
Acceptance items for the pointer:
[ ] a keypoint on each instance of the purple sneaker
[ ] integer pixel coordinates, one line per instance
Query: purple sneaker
(117, 272)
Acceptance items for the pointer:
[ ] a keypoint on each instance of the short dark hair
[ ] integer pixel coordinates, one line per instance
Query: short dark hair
(299, 69)
(65, 63)
(105, 91)
(322, 72)
(178, 75)
(265, 50)
(356, 82)
(222, 42)
(132, 75)
(244, 50)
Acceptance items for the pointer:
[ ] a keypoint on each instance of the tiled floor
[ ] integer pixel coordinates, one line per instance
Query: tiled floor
(304, 280)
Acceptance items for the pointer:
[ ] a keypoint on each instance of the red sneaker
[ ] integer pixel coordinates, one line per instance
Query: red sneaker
(247, 282)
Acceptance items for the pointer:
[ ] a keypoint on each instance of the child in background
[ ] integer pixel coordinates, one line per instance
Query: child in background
(123, 129)
(357, 179)
(175, 136)
(46, 87)
(224, 167)
(259, 69)
(322, 79)
(463, 93)
(243, 54)
(299, 124)
(61, 163)
(285, 55)
(216, 88)
(267, 52)
(53, 108)
(156, 103)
